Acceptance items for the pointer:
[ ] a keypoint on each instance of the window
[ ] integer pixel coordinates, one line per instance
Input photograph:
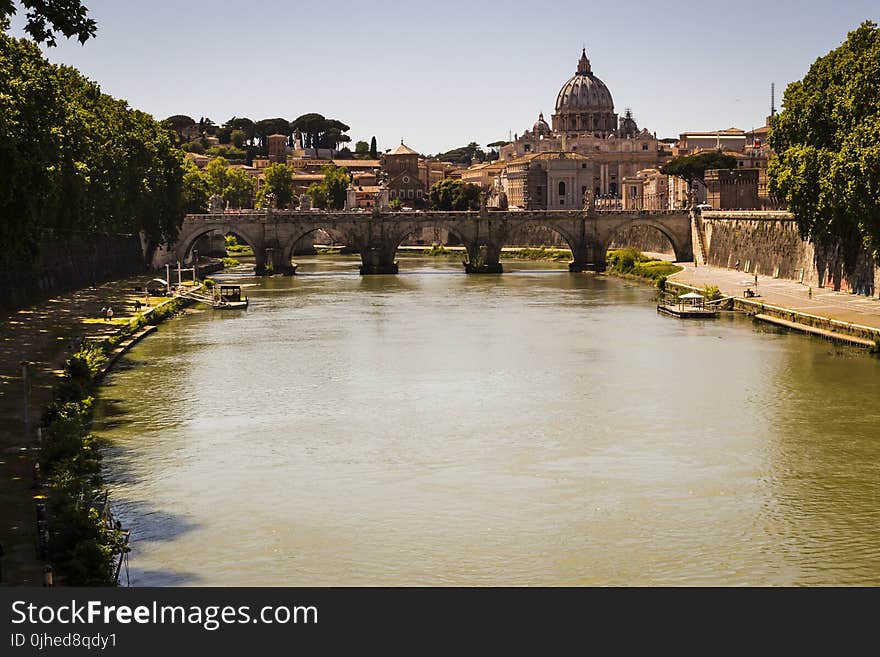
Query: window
(645, 146)
(632, 192)
(562, 201)
(393, 193)
(583, 165)
(412, 193)
(539, 190)
(561, 188)
(418, 193)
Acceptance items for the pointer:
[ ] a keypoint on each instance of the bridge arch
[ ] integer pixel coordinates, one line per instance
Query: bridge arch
(569, 231)
(678, 237)
(186, 241)
(291, 242)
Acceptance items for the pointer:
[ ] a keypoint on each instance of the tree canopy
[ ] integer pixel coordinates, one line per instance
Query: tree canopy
(694, 167)
(278, 181)
(320, 132)
(330, 193)
(45, 18)
(73, 159)
(464, 154)
(827, 164)
(451, 194)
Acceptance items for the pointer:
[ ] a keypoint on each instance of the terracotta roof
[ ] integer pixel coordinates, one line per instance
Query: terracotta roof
(403, 149)
(357, 163)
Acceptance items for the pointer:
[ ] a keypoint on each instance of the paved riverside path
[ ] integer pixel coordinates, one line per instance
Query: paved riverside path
(842, 306)
(42, 334)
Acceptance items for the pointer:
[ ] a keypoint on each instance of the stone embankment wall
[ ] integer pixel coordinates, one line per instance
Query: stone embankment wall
(68, 264)
(646, 240)
(769, 244)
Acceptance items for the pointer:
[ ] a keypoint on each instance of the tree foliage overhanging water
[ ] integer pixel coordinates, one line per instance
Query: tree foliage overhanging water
(74, 160)
(826, 141)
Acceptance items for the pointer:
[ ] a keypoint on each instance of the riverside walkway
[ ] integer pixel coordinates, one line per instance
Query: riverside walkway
(42, 334)
(840, 306)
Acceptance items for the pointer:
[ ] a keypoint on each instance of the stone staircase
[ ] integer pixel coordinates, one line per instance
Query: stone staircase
(698, 237)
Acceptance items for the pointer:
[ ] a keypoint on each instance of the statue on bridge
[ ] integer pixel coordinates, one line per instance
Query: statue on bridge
(305, 202)
(215, 204)
(589, 200)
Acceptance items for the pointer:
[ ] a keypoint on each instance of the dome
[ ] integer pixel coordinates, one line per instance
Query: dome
(541, 127)
(584, 91)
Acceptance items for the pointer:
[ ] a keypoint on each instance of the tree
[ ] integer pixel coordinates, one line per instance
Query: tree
(234, 185)
(46, 17)
(309, 125)
(694, 167)
(237, 138)
(336, 181)
(450, 194)
(246, 126)
(463, 154)
(265, 127)
(827, 164)
(239, 192)
(277, 181)
(362, 150)
(330, 193)
(63, 172)
(196, 191)
(318, 194)
(374, 154)
(320, 132)
(178, 123)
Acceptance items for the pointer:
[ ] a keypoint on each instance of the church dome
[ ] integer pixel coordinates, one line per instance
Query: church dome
(584, 91)
(541, 127)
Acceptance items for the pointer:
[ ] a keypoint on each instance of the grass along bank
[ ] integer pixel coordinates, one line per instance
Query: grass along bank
(78, 535)
(630, 263)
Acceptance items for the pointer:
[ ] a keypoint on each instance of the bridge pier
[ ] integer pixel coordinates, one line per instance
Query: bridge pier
(586, 257)
(483, 259)
(378, 261)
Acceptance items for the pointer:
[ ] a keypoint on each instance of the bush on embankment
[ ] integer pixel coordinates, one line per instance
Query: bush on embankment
(630, 262)
(540, 253)
(83, 543)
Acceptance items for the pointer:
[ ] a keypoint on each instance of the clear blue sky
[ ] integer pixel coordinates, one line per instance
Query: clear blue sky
(442, 74)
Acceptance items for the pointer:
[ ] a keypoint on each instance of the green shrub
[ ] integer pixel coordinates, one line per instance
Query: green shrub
(711, 292)
(229, 262)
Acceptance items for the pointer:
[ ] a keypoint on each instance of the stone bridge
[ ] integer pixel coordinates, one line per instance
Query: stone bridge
(273, 234)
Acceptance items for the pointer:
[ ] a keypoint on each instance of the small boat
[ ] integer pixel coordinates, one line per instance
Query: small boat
(228, 297)
(687, 306)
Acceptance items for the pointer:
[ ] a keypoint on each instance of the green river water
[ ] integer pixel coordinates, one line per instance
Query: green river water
(533, 428)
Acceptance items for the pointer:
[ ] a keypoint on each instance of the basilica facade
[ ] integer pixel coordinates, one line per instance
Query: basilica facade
(585, 124)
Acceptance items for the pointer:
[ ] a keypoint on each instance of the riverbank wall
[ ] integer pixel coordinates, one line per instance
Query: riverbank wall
(769, 244)
(62, 265)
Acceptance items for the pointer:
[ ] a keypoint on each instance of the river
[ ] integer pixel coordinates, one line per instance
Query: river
(533, 428)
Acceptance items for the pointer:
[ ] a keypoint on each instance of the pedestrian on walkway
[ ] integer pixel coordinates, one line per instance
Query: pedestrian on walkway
(104, 312)
(756, 280)
(109, 314)
(810, 292)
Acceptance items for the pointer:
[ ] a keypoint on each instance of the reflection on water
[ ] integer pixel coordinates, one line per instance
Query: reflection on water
(531, 428)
